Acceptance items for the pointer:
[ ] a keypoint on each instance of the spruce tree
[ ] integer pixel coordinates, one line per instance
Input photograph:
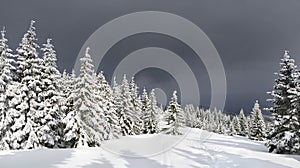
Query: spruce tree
(105, 101)
(227, 123)
(68, 95)
(282, 106)
(190, 115)
(292, 143)
(232, 130)
(243, 123)
(249, 124)
(85, 125)
(174, 117)
(257, 129)
(137, 105)
(236, 125)
(62, 87)
(51, 127)
(199, 118)
(151, 116)
(6, 80)
(26, 104)
(126, 110)
(145, 110)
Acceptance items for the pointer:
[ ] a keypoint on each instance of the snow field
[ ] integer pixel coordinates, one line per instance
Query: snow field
(198, 149)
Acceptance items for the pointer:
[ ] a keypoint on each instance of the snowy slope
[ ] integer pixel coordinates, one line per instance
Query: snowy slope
(196, 149)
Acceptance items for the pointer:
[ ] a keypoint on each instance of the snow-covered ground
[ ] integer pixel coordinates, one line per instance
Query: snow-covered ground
(195, 149)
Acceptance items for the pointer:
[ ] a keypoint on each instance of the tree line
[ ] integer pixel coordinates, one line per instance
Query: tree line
(41, 107)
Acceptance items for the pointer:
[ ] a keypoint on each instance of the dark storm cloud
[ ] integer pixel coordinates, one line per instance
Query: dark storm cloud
(132, 43)
(250, 36)
(151, 77)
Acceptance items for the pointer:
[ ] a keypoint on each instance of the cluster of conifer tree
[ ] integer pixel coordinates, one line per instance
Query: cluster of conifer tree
(41, 107)
(252, 126)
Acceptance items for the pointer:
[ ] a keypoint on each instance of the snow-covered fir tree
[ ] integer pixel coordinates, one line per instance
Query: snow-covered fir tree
(221, 129)
(125, 109)
(210, 120)
(258, 127)
(62, 87)
(62, 81)
(150, 113)
(282, 110)
(86, 124)
(51, 114)
(24, 108)
(117, 101)
(243, 124)
(232, 130)
(236, 125)
(227, 123)
(6, 70)
(190, 115)
(6, 80)
(137, 105)
(67, 85)
(106, 103)
(145, 109)
(292, 140)
(174, 117)
(248, 119)
(160, 116)
(198, 118)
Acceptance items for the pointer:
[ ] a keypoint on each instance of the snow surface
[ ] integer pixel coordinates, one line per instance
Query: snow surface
(195, 149)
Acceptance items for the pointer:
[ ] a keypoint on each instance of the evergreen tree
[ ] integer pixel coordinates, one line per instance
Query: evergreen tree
(117, 102)
(210, 125)
(199, 118)
(6, 80)
(51, 127)
(257, 129)
(24, 108)
(243, 123)
(232, 130)
(106, 103)
(249, 125)
(292, 144)
(292, 139)
(145, 110)
(85, 125)
(62, 87)
(190, 115)
(68, 95)
(137, 105)
(62, 80)
(160, 117)
(227, 122)
(150, 109)
(126, 110)
(174, 117)
(282, 106)
(236, 125)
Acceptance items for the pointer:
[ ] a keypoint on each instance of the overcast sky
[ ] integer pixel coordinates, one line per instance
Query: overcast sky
(250, 36)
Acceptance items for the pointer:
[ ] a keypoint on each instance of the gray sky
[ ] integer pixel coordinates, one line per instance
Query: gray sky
(250, 37)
